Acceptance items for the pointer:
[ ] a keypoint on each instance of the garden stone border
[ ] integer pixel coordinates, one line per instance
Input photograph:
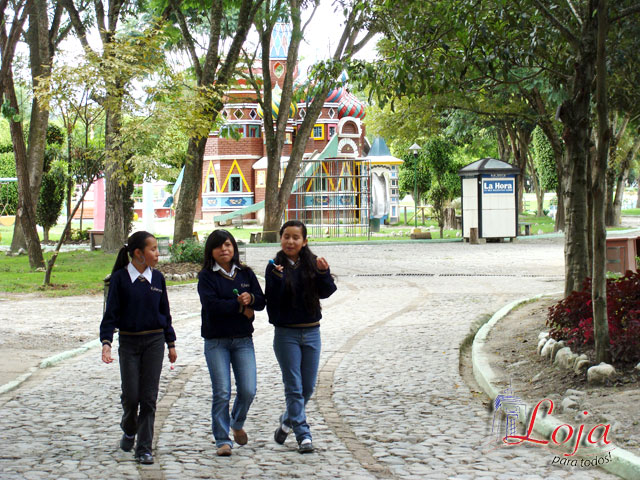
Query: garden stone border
(624, 463)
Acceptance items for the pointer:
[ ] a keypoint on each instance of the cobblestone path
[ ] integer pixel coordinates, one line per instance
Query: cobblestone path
(390, 401)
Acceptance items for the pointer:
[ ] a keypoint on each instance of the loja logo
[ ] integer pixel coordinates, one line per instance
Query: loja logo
(507, 408)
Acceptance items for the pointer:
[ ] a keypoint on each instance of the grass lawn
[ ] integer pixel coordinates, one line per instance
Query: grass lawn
(75, 273)
(631, 211)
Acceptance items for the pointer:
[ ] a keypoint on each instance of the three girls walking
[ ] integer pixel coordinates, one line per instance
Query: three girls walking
(229, 293)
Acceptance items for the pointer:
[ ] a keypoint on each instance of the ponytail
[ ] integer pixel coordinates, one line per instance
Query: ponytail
(137, 240)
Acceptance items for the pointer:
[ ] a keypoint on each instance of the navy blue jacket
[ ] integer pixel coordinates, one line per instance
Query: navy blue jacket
(286, 311)
(222, 315)
(137, 307)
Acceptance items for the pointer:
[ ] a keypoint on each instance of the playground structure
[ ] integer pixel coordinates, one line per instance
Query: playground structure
(331, 195)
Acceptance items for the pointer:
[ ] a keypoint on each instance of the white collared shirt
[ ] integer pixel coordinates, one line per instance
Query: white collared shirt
(134, 273)
(217, 267)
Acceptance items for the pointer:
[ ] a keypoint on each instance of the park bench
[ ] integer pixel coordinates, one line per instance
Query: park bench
(527, 228)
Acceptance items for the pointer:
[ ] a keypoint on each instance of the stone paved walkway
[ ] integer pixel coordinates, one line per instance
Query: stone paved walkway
(390, 401)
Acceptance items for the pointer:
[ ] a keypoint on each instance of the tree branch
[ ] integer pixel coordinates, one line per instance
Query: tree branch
(566, 33)
(626, 12)
(78, 26)
(188, 39)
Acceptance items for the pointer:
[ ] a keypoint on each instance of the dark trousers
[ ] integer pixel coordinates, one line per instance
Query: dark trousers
(140, 366)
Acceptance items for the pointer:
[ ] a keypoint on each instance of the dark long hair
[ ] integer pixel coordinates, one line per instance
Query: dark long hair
(216, 239)
(308, 269)
(135, 241)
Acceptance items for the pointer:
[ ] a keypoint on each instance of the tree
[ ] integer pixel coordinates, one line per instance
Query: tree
(322, 79)
(214, 69)
(544, 162)
(53, 183)
(414, 176)
(42, 42)
(127, 52)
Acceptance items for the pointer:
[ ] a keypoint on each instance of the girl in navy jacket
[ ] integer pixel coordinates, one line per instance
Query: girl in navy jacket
(296, 281)
(138, 306)
(229, 294)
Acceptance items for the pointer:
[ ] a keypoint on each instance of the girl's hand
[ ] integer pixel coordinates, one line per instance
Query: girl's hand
(244, 298)
(322, 264)
(248, 312)
(106, 353)
(173, 356)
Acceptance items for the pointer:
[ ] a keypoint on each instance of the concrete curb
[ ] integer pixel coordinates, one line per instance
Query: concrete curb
(624, 463)
(59, 357)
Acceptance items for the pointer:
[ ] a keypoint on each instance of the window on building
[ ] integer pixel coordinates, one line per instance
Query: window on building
(238, 114)
(235, 183)
(332, 113)
(254, 131)
(253, 114)
(212, 184)
(332, 131)
(394, 183)
(318, 132)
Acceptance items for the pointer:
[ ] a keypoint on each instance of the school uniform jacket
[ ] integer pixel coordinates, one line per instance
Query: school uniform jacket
(285, 311)
(137, 308)
(222, 315)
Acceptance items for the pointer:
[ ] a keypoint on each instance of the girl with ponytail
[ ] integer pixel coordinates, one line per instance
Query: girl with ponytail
(138, 306)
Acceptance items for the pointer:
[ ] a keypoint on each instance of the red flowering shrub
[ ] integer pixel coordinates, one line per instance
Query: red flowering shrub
(571, 319)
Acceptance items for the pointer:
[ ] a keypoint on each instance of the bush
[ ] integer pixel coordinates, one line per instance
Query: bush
(188, 250)
(77, 235)
(9, 191)
(571, 319)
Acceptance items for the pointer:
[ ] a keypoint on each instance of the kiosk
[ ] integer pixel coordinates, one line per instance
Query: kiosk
(489, 199)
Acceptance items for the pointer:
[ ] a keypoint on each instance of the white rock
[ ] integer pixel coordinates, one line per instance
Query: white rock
(564, 358)
(543, 335)
(599, 373)
(569, 404)
(638, 366)
(541, 343)
(546, 350)
(556, 348)
(574, 393)
(580, 366)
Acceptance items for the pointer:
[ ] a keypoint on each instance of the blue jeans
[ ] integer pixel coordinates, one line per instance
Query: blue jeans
(221, 353)
(298, 353)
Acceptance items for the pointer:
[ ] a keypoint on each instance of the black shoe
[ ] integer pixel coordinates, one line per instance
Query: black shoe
(305, 447)
(280, 436)
(144, 458)
(126, 444)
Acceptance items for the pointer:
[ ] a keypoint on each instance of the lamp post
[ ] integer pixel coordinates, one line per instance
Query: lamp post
(415, 149)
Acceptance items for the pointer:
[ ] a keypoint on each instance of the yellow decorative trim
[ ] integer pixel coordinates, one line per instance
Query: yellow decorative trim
(321, 137)
(226, 180)
(215, 178)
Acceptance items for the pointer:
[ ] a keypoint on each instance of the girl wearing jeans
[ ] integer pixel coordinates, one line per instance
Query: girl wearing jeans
(295, 282)
(229, 294)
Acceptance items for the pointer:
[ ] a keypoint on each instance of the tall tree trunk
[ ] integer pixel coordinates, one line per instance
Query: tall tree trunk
(575, 115)
(189, 189)
(609, 192)
(25, 213)
(114, 231)
(40, 58)
(599, 282)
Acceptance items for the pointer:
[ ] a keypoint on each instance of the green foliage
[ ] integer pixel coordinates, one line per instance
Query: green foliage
(414, 175)
(55, 135)
(544, 160)
(51, 195)
(8, 191)
(77, 235)
(189, 250)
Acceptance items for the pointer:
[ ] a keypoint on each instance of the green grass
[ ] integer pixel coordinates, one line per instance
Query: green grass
(6, 233)
(631, 211)
(75, 273)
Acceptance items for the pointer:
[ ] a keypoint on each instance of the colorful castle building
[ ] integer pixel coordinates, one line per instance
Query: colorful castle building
(335, 173)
